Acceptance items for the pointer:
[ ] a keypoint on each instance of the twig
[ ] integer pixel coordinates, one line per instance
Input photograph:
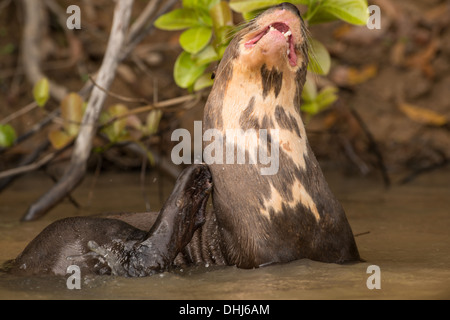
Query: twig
(74, 43)
(98, 169)
(32, 34)
(159, 105)
(142, 179)
(134, 39)
(148, 107)
(361, 234)
(4, 4)
(35, 165)
(142, 20)
(69, 196)
(373, 146)
(444, 162)
(77, 167)
(28, 159)
(23, 169)
(37, 127)
(132, 42)
(118, 96)
(160, 161)
(363, 168)
(19, 112)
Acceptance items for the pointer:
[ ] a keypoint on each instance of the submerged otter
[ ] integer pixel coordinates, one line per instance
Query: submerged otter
(69, 241)
(258, 219)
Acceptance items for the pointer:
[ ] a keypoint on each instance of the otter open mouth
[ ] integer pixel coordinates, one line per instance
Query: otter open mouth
(285, 31)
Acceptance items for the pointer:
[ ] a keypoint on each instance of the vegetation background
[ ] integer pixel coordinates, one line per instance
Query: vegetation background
(389, 119)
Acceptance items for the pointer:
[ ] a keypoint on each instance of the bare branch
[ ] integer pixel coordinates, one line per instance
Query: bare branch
(142, 21)
(32, 35)
(31, 167)
(19, 112)
(77, 167)
(135, 38)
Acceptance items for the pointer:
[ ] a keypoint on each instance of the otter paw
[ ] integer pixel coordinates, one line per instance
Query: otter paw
(128, 258)
(111, 256)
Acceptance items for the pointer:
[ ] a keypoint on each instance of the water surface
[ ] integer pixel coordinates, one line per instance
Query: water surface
(408, 239)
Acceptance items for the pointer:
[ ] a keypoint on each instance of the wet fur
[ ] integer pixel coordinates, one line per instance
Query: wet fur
(121, 244)
(268, 219)
(257, 219)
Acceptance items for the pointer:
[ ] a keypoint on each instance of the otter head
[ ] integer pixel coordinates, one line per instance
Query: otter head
(267, 59)
(185, 209)
(276, 38)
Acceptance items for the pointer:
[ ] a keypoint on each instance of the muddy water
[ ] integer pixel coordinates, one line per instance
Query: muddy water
(408, 239)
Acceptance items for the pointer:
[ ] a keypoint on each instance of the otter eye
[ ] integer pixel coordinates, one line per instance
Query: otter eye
(213, 75)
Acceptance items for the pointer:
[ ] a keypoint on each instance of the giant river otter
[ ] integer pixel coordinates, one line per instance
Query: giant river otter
(291, 214)
(259, 217)
(69, 241)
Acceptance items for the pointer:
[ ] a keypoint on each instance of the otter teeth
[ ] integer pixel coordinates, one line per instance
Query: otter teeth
(285, 34)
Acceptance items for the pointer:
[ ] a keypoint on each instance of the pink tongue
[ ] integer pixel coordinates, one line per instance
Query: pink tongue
(292, 55)
(250, 43)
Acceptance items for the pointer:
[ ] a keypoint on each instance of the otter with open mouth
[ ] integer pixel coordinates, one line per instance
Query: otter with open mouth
(258, 219)
(291, 214)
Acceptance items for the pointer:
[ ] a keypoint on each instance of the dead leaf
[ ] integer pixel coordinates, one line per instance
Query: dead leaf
(126, 73)
(422, 115)
(59, 139)
(342, 30)
(356, 76)
(398, 53)
(350, 76)
(422, 60)
(330, 120)
(438, 14)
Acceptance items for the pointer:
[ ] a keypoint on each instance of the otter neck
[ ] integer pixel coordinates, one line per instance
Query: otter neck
(267, 98)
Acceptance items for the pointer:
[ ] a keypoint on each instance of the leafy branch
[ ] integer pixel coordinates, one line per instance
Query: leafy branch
(208, 27)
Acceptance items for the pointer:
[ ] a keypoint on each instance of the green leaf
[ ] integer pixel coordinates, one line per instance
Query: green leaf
(200, 3)
(7, 135)
(221, 50)
(186, 71)
(153, 119)
(7, 49)
(319, 58)
(72, 113)
(195, 39)
(204, 81)
(204, 17)
(116, 131)
(206, 56)
(222, 18)
(221, 15)
(309, 92)
(351, 11)
(134, 122)
(178, 19)
(41, 92)
(326, 97)
(251, 14)
(310, 108)
(251, 5)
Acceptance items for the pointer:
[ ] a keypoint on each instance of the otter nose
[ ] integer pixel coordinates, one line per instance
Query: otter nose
(290, 7)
